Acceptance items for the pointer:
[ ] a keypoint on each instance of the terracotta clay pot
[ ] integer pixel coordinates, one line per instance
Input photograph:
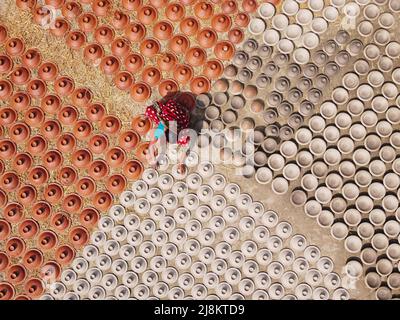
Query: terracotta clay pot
(151, 76)
(110, 65)
(51, 129)
(20, 76)
(3, 33)
(101, 7)
(235, 35)
(96, 112)
(50, 271)
(87, 22)
(104, 35)
(60, 221)
(203, 10)
(81, 158)
(82, 129)
(102, 200)
(175, 12)
(142, 151)
(189, 26)
(51, 103)
(134, 62)
(167, 86)
(66, 142)
(64, 255)
(140, 92)
(120, 47)
(3, 199)
(133, 169)
(147, 15)
(86, 187)
(67, 176)
(34, 117)
(213, 69)
(141, 124)
(20, 101)
(224, 50)
(179, 44)
(6, 64)
(15, 247)
(119, 20)
(200, 85)
(52, 159)
(5, 231)
(15, 47)
(183, 73)
(81, 97)
(163, 30)
(38, 175)
(98, 143)
(68, 115)
(26, 195)
(167, 61)
(98, 169)
(16, 274)
(242, 19)
(47, 240)
(150, 47)
(7, 291)
(115, 157)
(207, 38)
(6, 89)
(75, 39)
(48, 71)
(37, 145)
(34, 287)
(61, 27)
(221, 22)
(132, 5)
(196, 56)
(135, 32)
(110, 125)
(78, 236)
(19, 132)
(72, 203)
(71, 9)
(9, 181)
(37, 88)
(53, 193)
(116, 183)
(41, 210)
(123, 80)
(64, 86)
(22, 162)
(4, 261)
(129, 140)
(8, 149)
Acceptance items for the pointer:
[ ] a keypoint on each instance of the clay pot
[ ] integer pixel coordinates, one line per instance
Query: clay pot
(175, 12)
(82, 129)
(50, 271)
(110, 125)
(16, 274)
(37, 145)
(102, 200)
(116, 183)
(6, 64)
(104, 35)
(183, 73)
(120, 47)
(7, 149)
(132, 5)
(47, 240)
(20, 101)
(64, 255)
(163, 30)
(48, 71)
(52, 159)
(41, 210)
(20, 76)
(67, 176)
(66, 142)
(110, 65)
(140, 92)
(167, 86)
(15, 247)
(71, 10)
(221, 22)
(87, 22)
(9, 181)
(86, 187)
(72, 203)
(81, 158)
(50, 104)
(60, 221)
(133, 169)
(141, 124)
(15, 47)
(196, 56)
(7, 291)
(68, 115)
(78, 236)
(189, 26)
(34, 117)
(5, 231)
(167, 61)
(98, 169)
(22, 162)
(98, 143)
(203, 10)
(147, 15)
(27, 195)
(51, 129)
(135, 32)
(119, 20)
(4, 261)
(6, 89)
(3, 199)
(242, 19)
(95, 112)
(61, 27)
(151, 76)
(101, 7)
(200, 85)
(213, 69)
(129, 140)
(81, 97)
(64, 86)
(3, 33)
(115, 157)
(75, 39)
(207, 38)
(89, 217)
(37, 88)
(224, 50)
(53, 193)
(123, 80)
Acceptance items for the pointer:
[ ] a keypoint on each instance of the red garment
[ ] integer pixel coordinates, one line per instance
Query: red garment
(170, 110)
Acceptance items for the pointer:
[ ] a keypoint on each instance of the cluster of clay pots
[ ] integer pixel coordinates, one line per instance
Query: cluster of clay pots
(195, 34)
(183, 215)
(43, 151)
